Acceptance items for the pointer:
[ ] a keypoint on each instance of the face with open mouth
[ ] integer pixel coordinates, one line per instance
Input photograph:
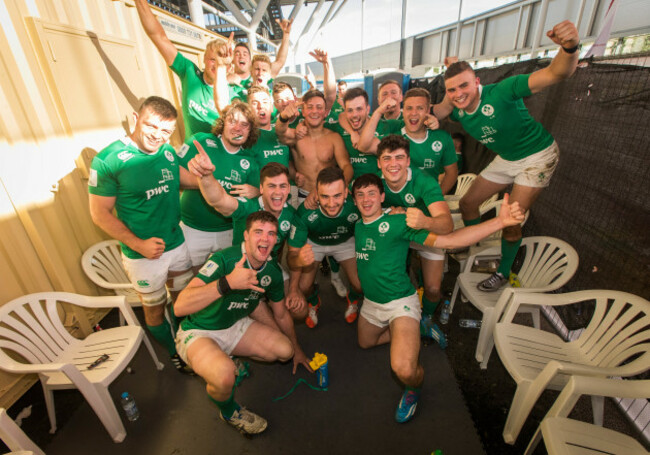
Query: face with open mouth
(275, 191)
(261, 104)
(151, 131)
(356, 111)
(331, 197)
(241, 60)
(261, 73)
(368, 200)
(463, 90)
(236, 129)
(394, 167)
(415, 113)
(259, 242)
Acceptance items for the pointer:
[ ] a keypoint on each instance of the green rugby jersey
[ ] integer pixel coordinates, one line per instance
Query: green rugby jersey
(432, 153)
(237, 304)
(268, 149)
(247, 206)
(362, 163)
(381, 247)
(146, 188)
(231, 169)
(420, 191)
(199, 111)
(323, 229)
(502, 122)
(389, 126)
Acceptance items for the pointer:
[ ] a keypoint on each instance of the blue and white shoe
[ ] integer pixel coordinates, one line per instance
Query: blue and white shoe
(430, 329)
(406, 407)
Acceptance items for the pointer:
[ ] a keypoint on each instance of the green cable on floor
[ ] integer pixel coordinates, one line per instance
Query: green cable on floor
(313, 387)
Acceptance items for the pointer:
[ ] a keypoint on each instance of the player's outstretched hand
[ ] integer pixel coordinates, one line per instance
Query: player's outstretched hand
(299, 358)
(510, 214)
(151, 248)
(291, 111)
(245, 190)
(301, 130)
(431, 122)
(564, 34)
(200, 165)
(295, 301)
(225, 51)
(319, 55)
(243, 278)
(415, 218)
(311, 202)
(285, 25)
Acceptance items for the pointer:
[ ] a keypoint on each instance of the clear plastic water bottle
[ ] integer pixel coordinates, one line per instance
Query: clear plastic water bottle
(444, 313)
(130, 408)
(470, 323)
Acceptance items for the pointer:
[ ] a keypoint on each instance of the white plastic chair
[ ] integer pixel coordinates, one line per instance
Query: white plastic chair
(564, 436)
(615, 343)
(31, 328)
(548, 265)
(12, 435)
(463, 183)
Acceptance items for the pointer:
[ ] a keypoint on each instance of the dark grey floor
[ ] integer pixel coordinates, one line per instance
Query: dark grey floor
(354, 416)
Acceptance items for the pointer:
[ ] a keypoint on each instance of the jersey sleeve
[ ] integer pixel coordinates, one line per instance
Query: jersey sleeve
(515, 87)
(448, 150)
(182, 65)
(188, 150)
(298, 233)
(430, 189)
(213, 269)
(244, 208)
(414, 235)
(101, 181)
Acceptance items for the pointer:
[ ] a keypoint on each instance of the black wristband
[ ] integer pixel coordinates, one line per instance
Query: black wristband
(282, 119)
(223, 287)
(572, 49)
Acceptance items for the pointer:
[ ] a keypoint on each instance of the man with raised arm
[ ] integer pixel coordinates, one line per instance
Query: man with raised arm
(226, 317)
(243, 77)
(205, 229)
(496, 116)
(418, 194)
(140, 177)
(326, 231)
(199, 111)
(391, 309)
(391, 89)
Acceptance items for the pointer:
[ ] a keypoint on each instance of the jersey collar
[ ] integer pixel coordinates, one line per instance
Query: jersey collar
(417, 141)
(127, 141)
(224, 147)
(243, 252)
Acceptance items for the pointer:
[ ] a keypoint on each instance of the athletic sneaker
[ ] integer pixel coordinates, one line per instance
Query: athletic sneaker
(241, 370)
(406, 407)
(493, 283)
(352, 311)
(338, 284)
(312, 317)
(181, 366)
(246, 422)
(430, 329)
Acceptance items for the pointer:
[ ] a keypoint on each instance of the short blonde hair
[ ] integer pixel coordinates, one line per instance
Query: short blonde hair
(261, 58)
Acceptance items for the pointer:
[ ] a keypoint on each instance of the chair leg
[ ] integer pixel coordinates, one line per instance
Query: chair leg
(12, 435)
(484, 336)
(534, 441)
(453, 297)
(49, 404)
(102, 403)
(598, 408)
(159, 365)
(522, 403)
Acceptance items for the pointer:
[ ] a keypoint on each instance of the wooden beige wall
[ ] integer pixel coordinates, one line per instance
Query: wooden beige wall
(71, 74)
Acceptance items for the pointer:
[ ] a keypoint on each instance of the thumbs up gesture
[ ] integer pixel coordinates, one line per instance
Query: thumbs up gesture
(200, 165)
(243, 278)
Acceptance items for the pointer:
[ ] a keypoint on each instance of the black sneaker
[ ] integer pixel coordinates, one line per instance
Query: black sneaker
(181, 366)
(493, 283)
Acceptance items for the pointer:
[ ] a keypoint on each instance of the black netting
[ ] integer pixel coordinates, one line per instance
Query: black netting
(598, 200)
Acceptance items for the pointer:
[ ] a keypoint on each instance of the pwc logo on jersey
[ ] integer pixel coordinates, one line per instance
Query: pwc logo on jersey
(265, 281)
(384, 227)
(353, 217)
(436, 146)
(487, 110)
(162, 188)
(245, 164)
(285, 225)
(237, 306)
(409, 198)
(276, 152)
(198, 108)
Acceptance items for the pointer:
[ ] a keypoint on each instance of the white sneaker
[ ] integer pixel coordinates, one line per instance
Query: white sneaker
(338, 284)
(246, 421)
